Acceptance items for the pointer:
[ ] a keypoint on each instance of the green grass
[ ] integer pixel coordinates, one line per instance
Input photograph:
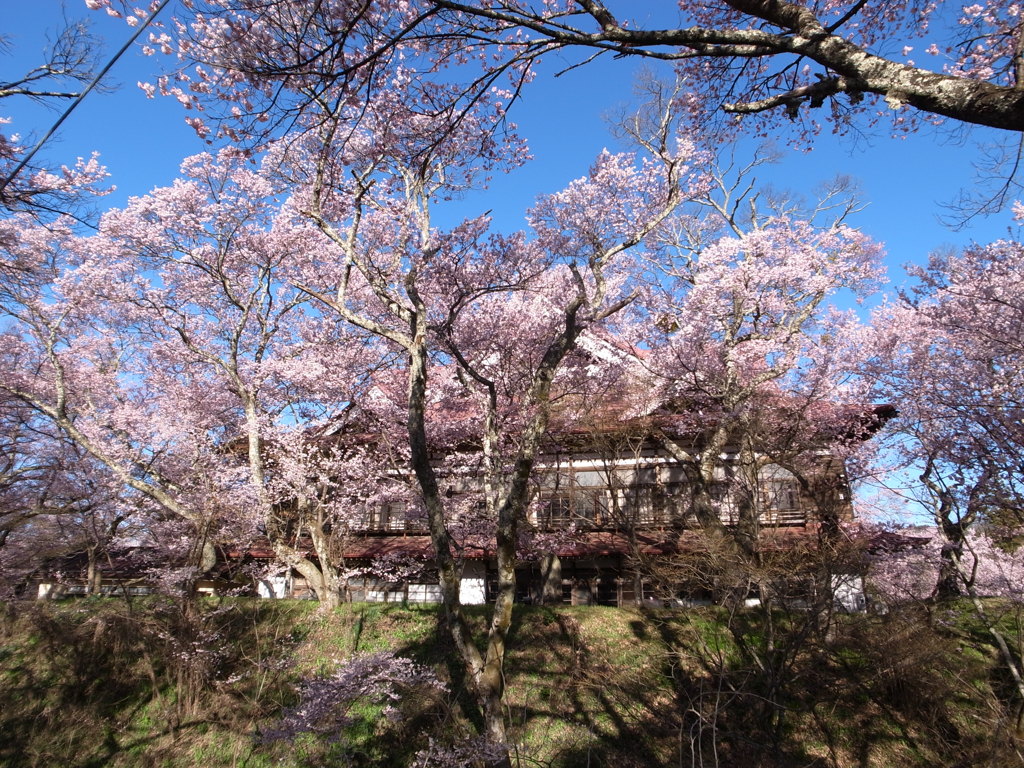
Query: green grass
(99, 683)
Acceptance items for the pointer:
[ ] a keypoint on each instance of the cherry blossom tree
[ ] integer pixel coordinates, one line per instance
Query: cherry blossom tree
(198, 287)
(744, 58)
(55, 500)
(921, 567)
(749, 58)
(750, 344)
(326, 702)
(219, 243)
(251, 70)
(70, 377)
(32, 464)
(161, 347)
(484, 319)
(949, 356)
(911, 572)
(947, 353)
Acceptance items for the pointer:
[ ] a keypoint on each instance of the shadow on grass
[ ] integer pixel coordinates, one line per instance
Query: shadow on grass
(91, 684)
(580, 693)
(96, 682)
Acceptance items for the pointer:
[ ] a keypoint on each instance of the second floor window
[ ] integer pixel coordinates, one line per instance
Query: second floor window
(779, 496)
(562, 509)
(394, 516)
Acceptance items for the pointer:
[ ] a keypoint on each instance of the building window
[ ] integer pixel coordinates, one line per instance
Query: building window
(568, 498)
(585, 508)
(383, 517)
(723, 496)
(779, 496)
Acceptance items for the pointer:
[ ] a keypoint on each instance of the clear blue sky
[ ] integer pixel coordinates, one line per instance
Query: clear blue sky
(142, 141)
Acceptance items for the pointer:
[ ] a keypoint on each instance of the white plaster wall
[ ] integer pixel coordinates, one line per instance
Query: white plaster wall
(848, 592)
(473, 587)
(273, 587)
(424, 593)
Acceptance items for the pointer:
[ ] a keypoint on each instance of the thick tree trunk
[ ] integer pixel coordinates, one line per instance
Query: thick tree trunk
(492, 678)
(792, 29)
(949, 584)
(330, 591)
(485, 680)
(327, 593)
(953, 522)
(94, 577)
(551, 580)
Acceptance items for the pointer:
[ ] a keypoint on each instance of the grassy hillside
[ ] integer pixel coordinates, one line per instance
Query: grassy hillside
(105, 683)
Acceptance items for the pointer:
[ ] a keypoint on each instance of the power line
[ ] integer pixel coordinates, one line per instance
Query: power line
(95, 81)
